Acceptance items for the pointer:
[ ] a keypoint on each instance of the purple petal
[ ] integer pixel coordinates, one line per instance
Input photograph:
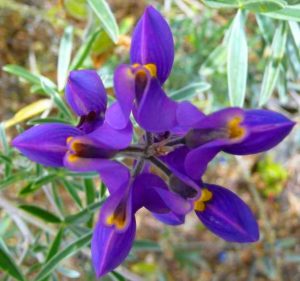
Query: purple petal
(227, 216)
(113, 174)
(197, 160)
(156, 112)
(180, 182)
(80, 164)
(85, 92)
(152, 193)
(188, 115)
(110, 247)
(152, 43)
(112, 138)
(170, 218)
(117, 211)
(124, 83)
(265, 130)
(46, 144)
(219, 119)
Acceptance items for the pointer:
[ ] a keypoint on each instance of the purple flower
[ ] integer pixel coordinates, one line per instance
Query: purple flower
(235, 131)
(49, 144)
(219, 209)
(138, 86)
(115, 231)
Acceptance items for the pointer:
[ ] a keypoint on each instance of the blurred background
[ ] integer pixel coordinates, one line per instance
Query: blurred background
(34, 200)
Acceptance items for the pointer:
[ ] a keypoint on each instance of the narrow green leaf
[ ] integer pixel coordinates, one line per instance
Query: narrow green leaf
(22, 73)
(263, 6)
(3, 139)
(272, 69)
(85, 214)
(237, 61)
(146, 245)
(38, 183)
(54, 248)
(116, 276)
(73, 192)
(84, 50)
(47, 120)
(13, 179)
(190, 91)
(41, 213)
(266, 26)
(103, 12)
(64, 57)
(56, 98)
(89, 191)
(7, 263)
(64, 254)
(219, 4)
(288, 13)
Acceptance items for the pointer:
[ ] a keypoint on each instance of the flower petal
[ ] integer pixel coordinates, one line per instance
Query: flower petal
(112, 138)
(170, 218)
(46, 144)
(110, 247)
(197, 160)
(152, 43)
(266, 129)
(124, 83)
(152, 193)
(227, 216)
(156, 112)
(85, 92)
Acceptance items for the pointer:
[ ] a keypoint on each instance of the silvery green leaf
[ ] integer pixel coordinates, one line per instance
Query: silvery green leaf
(272, 69)
(64, 57)
(288, 13)
(106, 17)
(237, 61)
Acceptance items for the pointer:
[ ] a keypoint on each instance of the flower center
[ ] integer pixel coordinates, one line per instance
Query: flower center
(234, 128)
(205, 197)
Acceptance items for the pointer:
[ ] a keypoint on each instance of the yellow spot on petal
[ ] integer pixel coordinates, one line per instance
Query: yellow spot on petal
(234, 128)
(72, 158)
(152, 69)
(69, 139)
(199, 206)
(117, 221)
(136, 65)
(206, 196)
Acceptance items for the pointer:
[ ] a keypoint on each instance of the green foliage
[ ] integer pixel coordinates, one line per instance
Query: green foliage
(228, 52)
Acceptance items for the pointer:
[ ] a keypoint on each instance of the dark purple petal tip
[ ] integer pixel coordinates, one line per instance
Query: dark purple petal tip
(46, 144)
(110, 247)
(152, 43)
(226, 215)
(85, 92)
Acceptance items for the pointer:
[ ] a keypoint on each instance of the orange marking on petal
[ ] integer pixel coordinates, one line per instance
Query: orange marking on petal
(206, 196)
(234, 129)
(152, 69)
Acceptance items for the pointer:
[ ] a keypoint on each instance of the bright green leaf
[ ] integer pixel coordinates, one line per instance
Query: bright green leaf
(237, 61)
(84, 50)
(103, 12)
(8, 264)
(41, 213)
